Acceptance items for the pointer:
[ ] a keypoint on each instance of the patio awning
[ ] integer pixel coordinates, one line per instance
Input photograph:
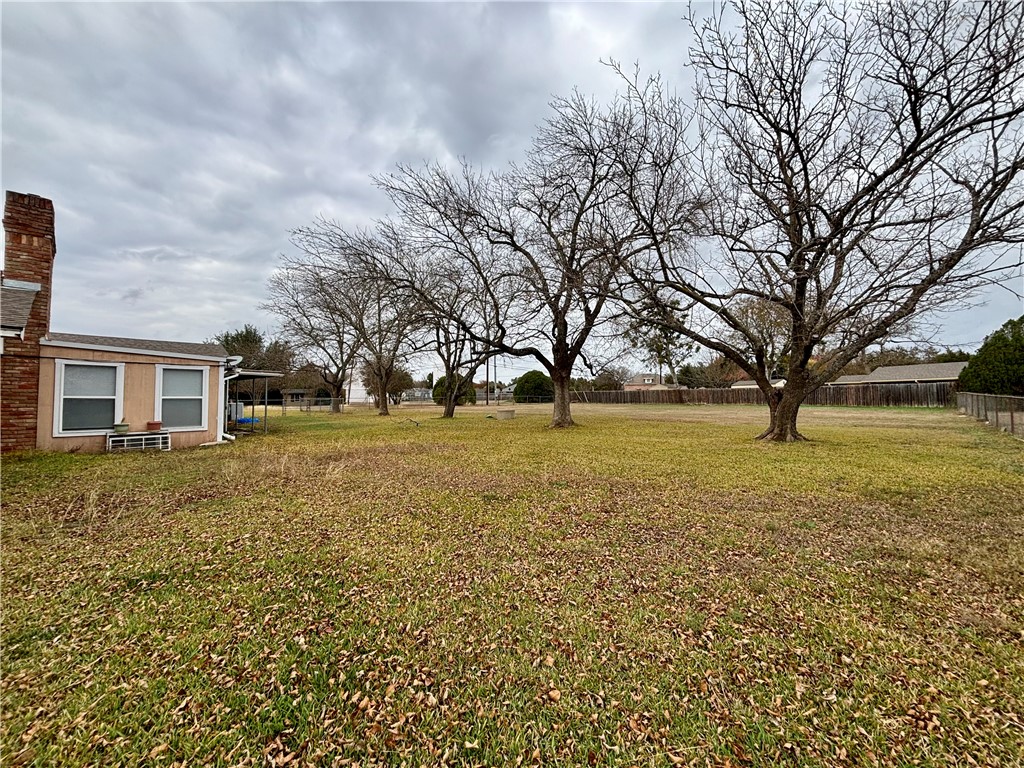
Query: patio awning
(233, 376)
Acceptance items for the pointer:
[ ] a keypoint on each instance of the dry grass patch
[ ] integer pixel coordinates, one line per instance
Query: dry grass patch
(652, 588)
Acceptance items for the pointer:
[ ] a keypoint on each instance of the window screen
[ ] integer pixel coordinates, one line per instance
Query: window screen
(182, 398)
(89, 393)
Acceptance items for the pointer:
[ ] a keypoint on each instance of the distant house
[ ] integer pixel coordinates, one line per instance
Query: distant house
(920, 373)
(644, 381)
(65, 392)
(749, 384)
(295, 396)
(417, 395)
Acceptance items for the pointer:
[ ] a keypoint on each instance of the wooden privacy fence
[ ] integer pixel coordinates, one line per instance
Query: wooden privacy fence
(926, 395)
(1003, 412)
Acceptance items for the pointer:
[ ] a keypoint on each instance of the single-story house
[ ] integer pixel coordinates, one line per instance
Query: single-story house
(65, 392)
(294, 396)
(421, 395)
(643, 381)
(918, 373)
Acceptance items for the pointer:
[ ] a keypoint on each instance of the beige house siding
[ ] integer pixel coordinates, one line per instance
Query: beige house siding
(139, 400)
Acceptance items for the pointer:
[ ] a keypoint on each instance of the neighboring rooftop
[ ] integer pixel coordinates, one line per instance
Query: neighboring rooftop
(751, 384)
(850, 378)
(144, 345)
(919, 372)
(16, 305)
(905, 374)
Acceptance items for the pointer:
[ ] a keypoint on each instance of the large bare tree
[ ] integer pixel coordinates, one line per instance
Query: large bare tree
(456, 313)
(862, 166)
(541, 244)
(302, 296)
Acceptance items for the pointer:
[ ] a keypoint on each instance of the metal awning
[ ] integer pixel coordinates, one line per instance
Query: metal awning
(236, 375)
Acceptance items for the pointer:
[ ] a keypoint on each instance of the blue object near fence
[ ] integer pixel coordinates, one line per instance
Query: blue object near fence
(247, 420)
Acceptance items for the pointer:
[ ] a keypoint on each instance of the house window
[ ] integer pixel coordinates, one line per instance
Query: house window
(181, 396)
(648, 380)
(88, 397)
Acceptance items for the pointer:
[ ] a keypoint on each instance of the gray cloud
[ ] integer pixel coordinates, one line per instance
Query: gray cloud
(181, 142)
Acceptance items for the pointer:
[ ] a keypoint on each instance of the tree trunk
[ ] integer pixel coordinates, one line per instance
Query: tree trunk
(784, 407)
(449, 406)
(562, 416)
(452, 385)
(382, 399)
(337, 396)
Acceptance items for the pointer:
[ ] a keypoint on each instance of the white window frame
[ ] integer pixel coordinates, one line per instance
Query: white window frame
(205, 369)
(58, 397)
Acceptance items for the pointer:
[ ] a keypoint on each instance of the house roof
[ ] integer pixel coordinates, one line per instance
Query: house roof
(15, 306)
(749, 383)
(244, 374)
(142, 345)
(849, 378)
(639, 378)
(920, 372)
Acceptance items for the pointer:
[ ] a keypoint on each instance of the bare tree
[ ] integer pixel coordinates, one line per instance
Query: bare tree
(542, 244)
(612, 378)
(386, 322)
(863, 166)
(305, 302)
(456, 314)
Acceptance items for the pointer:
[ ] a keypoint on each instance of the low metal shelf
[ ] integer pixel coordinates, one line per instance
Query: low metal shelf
(139, 441)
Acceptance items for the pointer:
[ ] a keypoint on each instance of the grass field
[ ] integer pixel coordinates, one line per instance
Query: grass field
(652, 588)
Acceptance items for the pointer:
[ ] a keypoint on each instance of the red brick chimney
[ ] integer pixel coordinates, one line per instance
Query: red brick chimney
(29, 249)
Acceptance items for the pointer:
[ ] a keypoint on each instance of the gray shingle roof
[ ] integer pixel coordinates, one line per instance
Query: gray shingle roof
(15, 306)
(748, 383)
(920, 372)
(148, 345)
(849, 378)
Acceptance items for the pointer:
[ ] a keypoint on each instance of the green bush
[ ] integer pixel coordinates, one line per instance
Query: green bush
(534, 387)
(998, 367)
(467, 395)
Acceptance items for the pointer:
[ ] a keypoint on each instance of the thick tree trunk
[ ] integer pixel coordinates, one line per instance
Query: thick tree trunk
(337, 397)
(562, 416)
(784, 407)
(451, 399)
(382, 399)
(452, 385)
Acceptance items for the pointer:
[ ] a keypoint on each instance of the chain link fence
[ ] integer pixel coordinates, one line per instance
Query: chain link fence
(1004, 412)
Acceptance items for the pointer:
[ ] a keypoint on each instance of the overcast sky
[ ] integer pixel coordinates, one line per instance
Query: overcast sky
(181, 142)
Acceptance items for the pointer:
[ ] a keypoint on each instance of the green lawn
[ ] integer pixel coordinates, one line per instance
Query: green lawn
(650, 588)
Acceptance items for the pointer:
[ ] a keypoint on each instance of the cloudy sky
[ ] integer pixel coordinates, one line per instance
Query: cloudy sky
(181, 142)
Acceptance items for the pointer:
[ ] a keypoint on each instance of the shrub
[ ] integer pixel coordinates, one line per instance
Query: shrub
(534, 387)
(467, 394)
(998, 367)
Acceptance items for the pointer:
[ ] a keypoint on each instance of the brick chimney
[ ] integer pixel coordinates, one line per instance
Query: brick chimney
(29, 249)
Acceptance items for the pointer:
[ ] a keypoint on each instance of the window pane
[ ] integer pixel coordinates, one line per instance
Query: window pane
(183, 383)
(87, 414)
(182, 413)
(89, 380)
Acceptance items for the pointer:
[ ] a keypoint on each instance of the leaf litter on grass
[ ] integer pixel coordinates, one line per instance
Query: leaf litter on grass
(617, 594)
